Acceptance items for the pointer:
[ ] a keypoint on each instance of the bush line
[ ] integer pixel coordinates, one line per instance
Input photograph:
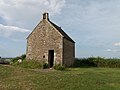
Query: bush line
(97, 62)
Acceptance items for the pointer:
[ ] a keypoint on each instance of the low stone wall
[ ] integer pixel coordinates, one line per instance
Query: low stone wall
(4, 61)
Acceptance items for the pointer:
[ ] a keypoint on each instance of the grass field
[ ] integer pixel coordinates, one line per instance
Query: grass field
(16, 78)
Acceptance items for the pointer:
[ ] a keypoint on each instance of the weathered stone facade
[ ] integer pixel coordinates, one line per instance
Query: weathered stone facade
(68, 52)
(47, 39)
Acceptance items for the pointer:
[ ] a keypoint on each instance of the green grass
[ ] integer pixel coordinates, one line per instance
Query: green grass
(16, 78)
(31, 64)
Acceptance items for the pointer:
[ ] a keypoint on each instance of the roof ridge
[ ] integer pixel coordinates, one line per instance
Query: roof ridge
(61, 31)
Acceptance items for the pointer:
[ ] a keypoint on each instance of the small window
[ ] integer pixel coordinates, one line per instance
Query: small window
(44, 56)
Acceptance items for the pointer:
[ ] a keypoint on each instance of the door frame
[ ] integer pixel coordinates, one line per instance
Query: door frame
(50, 58)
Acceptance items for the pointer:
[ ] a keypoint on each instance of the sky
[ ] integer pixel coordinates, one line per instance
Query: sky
(93, 24)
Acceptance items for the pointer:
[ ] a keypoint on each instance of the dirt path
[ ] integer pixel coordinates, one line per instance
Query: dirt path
(6, 65)
(45, 70)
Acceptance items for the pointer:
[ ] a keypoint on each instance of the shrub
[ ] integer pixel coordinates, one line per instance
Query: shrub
(84, 62)
(97, 62)
(59, 67)
(45, 65)
(32, 64)
(23, 56)
(14, 60)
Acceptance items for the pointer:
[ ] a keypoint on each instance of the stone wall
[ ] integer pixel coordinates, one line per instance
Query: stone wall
(44, 38)
(68, 52)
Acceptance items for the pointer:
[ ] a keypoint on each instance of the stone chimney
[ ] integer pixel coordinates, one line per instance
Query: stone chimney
(45, 16)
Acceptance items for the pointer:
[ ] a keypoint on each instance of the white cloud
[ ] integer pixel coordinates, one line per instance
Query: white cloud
(117, 44)
(16, 15)
(9, 30)
(113, 50)
(22, 12)
(108, 50)
(25, 14)
(96, 21)
(56, 5)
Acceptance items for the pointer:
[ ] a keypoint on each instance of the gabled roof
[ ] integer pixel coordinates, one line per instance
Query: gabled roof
(46, 17)
(61, 31)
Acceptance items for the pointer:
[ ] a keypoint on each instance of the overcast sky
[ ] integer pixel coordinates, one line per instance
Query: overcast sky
(93, 24)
